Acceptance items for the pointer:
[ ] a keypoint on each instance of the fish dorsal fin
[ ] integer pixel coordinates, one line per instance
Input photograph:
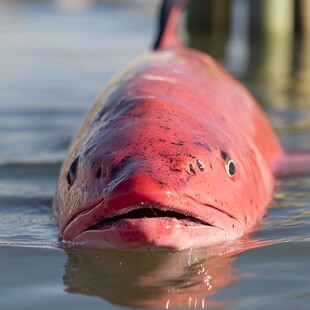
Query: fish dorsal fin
(170, 13)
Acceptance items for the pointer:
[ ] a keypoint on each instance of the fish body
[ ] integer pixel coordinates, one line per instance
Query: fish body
(175, 153)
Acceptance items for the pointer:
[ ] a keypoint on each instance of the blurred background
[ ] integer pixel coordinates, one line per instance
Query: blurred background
(69, 48)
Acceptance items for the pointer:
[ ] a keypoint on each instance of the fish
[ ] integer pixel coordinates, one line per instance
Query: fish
(174, 154)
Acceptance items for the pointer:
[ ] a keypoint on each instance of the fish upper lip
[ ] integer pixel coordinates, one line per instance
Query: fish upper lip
(92, 222)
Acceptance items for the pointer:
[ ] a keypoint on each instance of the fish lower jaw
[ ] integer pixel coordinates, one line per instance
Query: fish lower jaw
(153, 234)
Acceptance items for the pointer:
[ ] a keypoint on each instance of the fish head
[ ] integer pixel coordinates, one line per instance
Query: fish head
(152, 175)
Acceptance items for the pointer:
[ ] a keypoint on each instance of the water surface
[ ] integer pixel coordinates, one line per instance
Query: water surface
(54, 61)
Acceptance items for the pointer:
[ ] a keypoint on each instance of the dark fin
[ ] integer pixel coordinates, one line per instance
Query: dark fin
(170, 13)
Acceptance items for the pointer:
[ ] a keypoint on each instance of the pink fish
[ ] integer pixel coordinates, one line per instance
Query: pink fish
(175, 154)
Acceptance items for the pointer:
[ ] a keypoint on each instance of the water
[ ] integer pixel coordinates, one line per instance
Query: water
(54, 60)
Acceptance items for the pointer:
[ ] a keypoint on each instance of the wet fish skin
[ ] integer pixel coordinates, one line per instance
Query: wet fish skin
(175, 153)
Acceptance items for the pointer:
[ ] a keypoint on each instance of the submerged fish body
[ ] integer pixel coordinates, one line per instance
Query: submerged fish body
(175, 153)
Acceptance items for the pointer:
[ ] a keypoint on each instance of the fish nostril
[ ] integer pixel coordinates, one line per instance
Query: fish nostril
(101, 173)
(200, 165)
(72, 172)
(98, 173)
(191, 169)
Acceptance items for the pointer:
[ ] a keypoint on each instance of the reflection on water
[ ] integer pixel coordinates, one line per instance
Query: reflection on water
(155, 279)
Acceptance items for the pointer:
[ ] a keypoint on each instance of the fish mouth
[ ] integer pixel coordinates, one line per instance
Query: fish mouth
(149, 225)
(144, 213)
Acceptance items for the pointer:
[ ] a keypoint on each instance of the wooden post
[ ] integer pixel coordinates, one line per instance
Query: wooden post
(275, 69)
(305, 16)
(220, 18)
(278, 17)
(208, 25)
(302, 76)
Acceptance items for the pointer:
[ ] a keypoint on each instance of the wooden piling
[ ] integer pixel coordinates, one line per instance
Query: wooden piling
(278, 17)
(301, 78)
(208, 24)
(305, 16)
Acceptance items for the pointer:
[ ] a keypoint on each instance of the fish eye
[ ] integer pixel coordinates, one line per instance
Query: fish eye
(229, 164)
(230, 167)
(71, 175)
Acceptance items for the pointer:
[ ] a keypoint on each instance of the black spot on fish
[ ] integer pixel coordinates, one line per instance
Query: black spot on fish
(72, 172)
(175, 170)
(137, 114)
(191, 156)
(125, 160)
(163, 155)
(203, 145)
(164, 127)
(114, 170)
(98, 173)
(224, 154)
(179, 143)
